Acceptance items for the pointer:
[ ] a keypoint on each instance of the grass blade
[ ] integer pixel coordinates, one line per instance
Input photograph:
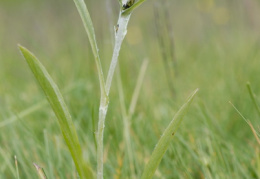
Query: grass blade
(165, 140)
(6, 160)
(137, 89)
(59, 107)
(256, 134)
(16, 166)
(32, 109)
(252, 95)
(23, 114)
(40, 171)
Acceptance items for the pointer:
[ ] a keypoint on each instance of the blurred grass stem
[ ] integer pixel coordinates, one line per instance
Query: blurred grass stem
(16, 166)
(127, 115)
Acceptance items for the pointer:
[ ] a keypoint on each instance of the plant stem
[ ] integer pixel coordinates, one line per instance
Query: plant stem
(101, 125)
(104, 101)
(119, 37)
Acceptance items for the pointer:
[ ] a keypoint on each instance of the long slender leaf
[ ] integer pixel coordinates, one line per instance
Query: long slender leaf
(252, 95)
(60, 109)
(166, 139)
(17, 168)
(87, 22)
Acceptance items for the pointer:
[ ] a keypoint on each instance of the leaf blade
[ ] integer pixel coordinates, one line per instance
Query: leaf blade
(60, 109)
(165, 139)
(89, 28)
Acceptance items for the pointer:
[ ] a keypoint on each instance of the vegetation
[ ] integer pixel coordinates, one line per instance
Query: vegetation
(214, 49)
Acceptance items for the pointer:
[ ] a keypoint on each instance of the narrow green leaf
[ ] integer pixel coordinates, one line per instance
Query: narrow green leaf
(252, 95)
(166, 139)
(16, 166)
(85, 17)
(88, 25)
(60, 109)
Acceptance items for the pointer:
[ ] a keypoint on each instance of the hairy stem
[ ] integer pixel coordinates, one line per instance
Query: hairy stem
(101, 125)
(119, 37)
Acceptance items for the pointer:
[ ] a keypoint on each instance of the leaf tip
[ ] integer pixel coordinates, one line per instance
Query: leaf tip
(194, 93)
(21, 48)
(36, 166)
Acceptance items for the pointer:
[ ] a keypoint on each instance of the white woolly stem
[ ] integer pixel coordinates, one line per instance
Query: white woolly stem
(119, 37)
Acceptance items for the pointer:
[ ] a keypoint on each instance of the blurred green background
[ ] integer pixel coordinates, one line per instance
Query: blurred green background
(205, 44)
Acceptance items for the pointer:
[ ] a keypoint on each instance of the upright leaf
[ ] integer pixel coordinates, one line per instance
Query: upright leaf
(88, 25)
(252, 95)
(166, 139)
(60, 109)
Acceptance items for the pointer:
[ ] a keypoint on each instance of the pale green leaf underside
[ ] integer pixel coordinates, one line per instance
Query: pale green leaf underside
(166, 139)
(60, 109)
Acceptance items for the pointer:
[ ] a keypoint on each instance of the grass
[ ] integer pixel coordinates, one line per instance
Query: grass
(219, 59)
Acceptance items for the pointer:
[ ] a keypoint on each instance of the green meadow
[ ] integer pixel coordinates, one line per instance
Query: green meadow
(171, 49)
